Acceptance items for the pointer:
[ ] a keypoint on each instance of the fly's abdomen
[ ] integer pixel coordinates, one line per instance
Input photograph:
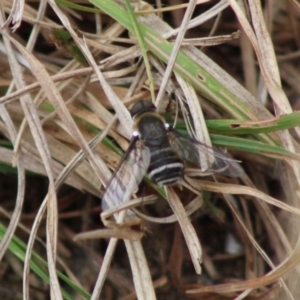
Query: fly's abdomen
(165, 167)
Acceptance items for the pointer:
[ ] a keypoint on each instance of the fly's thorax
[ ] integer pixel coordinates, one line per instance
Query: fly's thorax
(151, 128)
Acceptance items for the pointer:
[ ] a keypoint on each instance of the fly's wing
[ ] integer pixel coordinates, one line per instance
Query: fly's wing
(188, 149)
(127, 176)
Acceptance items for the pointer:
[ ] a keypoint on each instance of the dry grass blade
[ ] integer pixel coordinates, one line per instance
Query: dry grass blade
(241, 190)
(10, 131)
(198, 121)
(16, 14)
(285, 267)
(121, 233)
(29, 249)
(115, 101)
(30, 162)
(188, 231)
(140, 270)
(187, 16)
(53, 95)
(32, 87)
(142, 278)
(189, 209)
(262, 44)
(36, 224)
(158, 283)
(21, 187)
(104, 268)
(40, 141)
(210, 41)
(77, 161)
(215, 10)
(256, 245)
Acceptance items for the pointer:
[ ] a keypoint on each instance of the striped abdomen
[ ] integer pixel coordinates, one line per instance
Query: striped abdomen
(165, 167)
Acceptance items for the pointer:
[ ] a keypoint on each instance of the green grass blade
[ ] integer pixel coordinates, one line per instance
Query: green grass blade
(79, 7)
(142, 44)
(39, 266)
(252, 146)
(188, 69)
(239, 127)
(185, 66)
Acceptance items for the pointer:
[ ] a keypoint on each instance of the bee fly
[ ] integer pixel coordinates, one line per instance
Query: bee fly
(157, 149)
